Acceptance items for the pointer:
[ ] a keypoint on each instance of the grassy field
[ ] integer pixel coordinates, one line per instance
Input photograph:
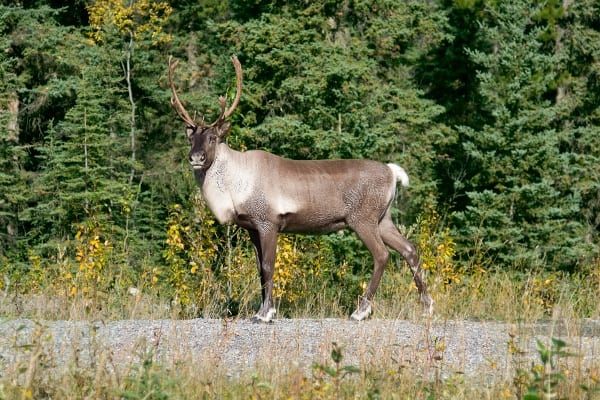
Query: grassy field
(497, 296)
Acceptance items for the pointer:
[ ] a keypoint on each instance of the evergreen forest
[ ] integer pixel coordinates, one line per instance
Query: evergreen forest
(492, 107)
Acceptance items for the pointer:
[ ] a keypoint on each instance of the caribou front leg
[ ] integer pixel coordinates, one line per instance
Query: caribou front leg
(265, 247)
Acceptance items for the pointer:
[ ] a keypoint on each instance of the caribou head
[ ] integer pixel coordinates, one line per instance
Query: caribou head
(267, 194)
(204, 138)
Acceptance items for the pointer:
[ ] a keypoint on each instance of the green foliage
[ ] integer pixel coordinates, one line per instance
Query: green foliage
(85, 174)
(518, 208)
(147, 381)
(336, 373)
(547, 379)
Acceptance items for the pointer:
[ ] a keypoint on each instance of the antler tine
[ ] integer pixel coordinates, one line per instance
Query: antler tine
(175, 102)
(238, 93)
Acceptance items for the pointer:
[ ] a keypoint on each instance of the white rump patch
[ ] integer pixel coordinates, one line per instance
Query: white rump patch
(399, 173)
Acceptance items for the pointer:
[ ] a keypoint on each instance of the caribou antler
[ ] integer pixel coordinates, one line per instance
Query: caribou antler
(180, 109)
(238, 93)
(175, 102)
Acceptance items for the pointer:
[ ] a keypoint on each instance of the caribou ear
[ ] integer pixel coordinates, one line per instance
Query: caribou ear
(223, 130)
(189, 131)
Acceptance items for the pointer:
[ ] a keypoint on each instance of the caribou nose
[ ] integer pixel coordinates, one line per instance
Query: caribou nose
(197, 160)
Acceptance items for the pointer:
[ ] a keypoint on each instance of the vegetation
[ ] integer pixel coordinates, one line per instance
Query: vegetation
(35, 373)
(491, 106)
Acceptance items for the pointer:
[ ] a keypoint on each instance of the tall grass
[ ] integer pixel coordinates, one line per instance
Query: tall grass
(210, 272)
(497, 295)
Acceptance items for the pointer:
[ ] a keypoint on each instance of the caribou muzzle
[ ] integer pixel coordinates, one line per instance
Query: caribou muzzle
(197, 160)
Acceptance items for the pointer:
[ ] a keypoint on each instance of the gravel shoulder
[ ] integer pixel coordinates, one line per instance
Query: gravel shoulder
(237, 348)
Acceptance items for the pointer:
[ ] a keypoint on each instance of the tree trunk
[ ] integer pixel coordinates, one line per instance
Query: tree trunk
(12, 126)
(127, 68)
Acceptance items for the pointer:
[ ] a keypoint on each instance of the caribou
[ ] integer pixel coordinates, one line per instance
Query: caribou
(267, 194)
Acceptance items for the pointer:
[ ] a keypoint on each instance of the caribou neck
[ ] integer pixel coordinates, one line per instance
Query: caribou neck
(224, 184)
(223, 155)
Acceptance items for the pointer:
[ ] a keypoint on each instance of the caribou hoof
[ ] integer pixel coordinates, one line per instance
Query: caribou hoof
(362, 312)
(261, 319)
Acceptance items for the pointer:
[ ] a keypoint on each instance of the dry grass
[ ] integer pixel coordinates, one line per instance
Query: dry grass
(95, 374)
(500, 296)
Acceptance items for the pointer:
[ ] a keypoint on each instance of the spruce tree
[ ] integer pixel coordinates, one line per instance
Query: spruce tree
(524, 205)
(34, 88)
(85, 161)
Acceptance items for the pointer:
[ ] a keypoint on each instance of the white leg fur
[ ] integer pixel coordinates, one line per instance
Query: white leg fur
(267, 318)
(359, 314)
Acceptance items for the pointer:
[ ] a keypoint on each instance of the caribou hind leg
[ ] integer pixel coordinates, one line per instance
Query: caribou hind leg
(372, 239)
(265, 247)
(392, 237)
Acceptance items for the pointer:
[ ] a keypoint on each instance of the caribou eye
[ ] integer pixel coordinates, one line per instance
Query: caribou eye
(212, 139)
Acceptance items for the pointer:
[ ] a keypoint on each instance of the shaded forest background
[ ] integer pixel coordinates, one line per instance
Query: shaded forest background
(493, 108)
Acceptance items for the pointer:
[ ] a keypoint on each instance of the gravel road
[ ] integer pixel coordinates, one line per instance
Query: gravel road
(474, 349)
